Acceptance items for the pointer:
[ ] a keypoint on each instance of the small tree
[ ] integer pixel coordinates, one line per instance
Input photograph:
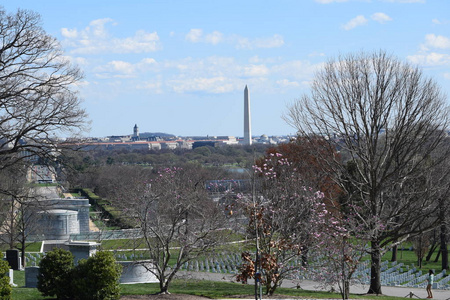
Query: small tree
(421, 243)
(5, 287)
(97, 278)
(55, 271)
(284, 217)
(171, 208)
(339, 252)
(18, 216)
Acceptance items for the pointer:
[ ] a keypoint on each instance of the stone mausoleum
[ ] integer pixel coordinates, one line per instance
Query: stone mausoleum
(60, 218)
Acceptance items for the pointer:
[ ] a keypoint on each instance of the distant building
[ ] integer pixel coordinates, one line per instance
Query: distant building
(41, 174)
(135, 136)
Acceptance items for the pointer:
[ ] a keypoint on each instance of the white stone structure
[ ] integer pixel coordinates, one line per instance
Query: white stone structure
(247, 119)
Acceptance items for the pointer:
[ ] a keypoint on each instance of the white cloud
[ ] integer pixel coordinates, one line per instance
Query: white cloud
(440, 22)
(297, 69)
(69, 33)
(213, 74)
(274, 41)
(215, 85)
(436, 21)
(286, 83)
(315, 54)
(154, 85)
(194, 35)
(214, 38)
(96, 39)
(123, 69)
(329, 1)
(97, 27)
(239, 42)
(255, 70)
(430, 59)
(381, 17)
(267, 60)
(355, 22)
(447, 76)
(405, 1)
(437, 41)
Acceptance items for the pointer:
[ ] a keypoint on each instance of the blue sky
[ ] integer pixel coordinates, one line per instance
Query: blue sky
(181, 66)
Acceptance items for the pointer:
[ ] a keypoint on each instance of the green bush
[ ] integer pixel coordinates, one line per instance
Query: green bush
(55, 274)
(5, 287)
(97, 278)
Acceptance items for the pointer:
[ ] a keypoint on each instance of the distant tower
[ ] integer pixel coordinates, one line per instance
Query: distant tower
(247, 119)
(135, 131)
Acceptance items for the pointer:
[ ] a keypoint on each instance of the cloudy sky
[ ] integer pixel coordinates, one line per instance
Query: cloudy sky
(181, 66)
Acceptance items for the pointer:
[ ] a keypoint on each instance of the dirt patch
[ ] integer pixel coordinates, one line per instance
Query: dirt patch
(163, 297)
(192, 297)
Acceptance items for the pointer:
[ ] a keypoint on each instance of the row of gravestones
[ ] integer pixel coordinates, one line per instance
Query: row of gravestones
(131, 257)
(392, 274)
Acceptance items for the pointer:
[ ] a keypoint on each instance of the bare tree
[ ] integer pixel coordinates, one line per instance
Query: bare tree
(18, 212)
(37, 100)
(176, 218)
(388, 121)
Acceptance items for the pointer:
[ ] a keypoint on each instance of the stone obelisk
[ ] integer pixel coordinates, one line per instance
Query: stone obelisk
(247, 119)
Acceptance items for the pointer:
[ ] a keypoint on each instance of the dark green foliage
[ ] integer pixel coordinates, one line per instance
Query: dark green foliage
(97, 278)
(108, 210)
(54, 276)
(5, 287)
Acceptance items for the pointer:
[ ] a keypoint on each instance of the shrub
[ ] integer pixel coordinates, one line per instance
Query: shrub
(5, 287)
(97, 278)
(55, 274)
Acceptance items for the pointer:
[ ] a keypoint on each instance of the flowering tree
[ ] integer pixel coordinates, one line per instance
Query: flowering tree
(176, 219)
(284, 216)
(339, 252)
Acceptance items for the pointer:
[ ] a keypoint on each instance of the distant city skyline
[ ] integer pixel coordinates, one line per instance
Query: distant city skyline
(180, 67)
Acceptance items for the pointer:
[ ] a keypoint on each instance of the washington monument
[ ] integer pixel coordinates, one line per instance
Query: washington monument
(247, 119)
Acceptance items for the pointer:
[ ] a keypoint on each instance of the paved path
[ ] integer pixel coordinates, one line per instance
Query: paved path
(313, 286)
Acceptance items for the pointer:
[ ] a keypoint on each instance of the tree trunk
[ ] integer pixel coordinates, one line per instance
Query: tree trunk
(394, 253)
(444, 249)
(437, 256)
(375, 269)
(430, 253)
(305, 257)
(163, 285)
(346, 289)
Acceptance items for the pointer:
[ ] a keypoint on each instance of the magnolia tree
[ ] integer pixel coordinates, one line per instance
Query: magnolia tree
(285, 217)
(339, 252)
(176, 219)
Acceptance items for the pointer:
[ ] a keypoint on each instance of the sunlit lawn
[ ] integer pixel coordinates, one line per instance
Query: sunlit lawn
(205, 288)
(208, 288)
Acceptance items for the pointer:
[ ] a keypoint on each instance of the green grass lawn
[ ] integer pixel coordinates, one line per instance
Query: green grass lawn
(31, 247)
(205, 288)
(408, 257)
(213, 289)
